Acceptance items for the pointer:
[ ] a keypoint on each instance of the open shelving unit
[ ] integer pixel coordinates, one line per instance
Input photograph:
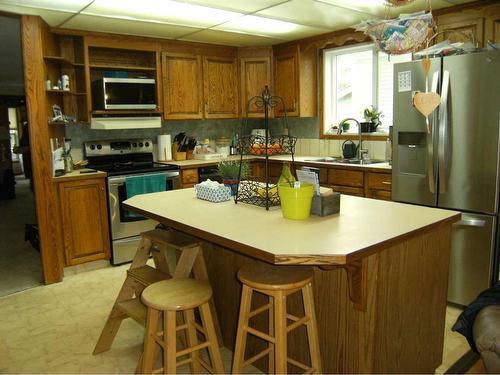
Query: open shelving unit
(66, 57)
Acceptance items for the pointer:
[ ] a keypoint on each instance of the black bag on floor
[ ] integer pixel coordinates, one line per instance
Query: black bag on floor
(31, 235)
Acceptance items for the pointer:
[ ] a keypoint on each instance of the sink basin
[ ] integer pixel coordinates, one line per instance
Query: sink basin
(346, 161)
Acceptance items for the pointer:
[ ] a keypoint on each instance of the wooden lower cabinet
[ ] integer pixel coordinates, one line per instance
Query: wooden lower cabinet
(378, 185)
(85, 227)
(189, 177)
(345, 180)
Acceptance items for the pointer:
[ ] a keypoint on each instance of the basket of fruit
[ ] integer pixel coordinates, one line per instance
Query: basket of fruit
(257, 145)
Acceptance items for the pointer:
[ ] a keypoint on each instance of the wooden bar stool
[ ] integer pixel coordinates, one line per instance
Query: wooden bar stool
(175, 255)
(163, 300)
(277, 282)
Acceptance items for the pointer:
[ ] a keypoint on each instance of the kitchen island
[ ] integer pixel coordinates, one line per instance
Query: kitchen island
(381, 271)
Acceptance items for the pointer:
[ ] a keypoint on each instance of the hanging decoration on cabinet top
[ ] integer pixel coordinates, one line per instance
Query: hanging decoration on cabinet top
(397, 3)
(405, 34)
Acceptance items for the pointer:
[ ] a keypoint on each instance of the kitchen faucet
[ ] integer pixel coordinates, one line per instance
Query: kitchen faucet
(361, 151)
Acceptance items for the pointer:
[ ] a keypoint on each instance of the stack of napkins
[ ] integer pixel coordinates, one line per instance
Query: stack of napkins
(212, 191)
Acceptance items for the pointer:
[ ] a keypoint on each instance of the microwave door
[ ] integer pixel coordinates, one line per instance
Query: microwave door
(130, 95)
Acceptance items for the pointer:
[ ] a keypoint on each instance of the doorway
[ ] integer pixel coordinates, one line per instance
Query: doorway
(20, 261)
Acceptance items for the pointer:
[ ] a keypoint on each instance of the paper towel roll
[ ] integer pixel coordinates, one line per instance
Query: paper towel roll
(164, 147)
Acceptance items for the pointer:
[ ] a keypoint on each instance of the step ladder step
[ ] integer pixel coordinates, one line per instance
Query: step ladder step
(135, 309)
(147, 275)
(171, 238)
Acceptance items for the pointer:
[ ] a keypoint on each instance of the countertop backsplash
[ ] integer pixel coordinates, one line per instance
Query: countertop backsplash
(306, 129)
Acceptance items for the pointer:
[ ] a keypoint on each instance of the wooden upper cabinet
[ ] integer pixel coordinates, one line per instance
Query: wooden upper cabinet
(84, 220)
(295, 80)
(220, 87)
(286, 75)
(480, 21)
(182, 86)
(463, 31)
(255, 75)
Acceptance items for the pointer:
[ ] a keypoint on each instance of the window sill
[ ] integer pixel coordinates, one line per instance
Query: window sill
(354, 136)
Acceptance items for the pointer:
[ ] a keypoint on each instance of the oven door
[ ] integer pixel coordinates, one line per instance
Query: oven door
(125, 223)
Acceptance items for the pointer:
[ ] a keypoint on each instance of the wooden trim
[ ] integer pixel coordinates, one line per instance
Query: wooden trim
(33, 30)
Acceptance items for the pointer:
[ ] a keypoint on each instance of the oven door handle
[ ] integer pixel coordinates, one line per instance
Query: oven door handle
(114, 204)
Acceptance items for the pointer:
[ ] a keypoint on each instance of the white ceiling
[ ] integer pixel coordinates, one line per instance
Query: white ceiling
(230, 22)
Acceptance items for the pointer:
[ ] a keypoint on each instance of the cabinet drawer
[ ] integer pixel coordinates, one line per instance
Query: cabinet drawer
(379, 194)
(190, 176)
(345, 177)
(379, 181)
(348, 190)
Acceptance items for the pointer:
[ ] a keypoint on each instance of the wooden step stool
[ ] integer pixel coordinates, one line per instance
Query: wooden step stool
(277, 282)
(164, 300)
(163, 245)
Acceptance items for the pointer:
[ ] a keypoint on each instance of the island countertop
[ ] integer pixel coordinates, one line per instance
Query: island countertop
(362, 227)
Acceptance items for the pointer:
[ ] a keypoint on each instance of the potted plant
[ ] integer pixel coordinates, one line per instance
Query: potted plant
(229, 171)
(372, 118)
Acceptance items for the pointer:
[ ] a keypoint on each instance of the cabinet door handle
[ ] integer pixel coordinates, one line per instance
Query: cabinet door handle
(386, 183)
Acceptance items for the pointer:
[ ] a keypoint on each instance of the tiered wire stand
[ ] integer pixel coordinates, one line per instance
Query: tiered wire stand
(259, 191)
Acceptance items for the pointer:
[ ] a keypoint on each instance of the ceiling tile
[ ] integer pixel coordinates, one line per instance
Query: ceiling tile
(168, 11)
(313, 13)
(231, 39)
(62, 5)
(243, 6)
(120, 26)
(53, 18)
(264, 26)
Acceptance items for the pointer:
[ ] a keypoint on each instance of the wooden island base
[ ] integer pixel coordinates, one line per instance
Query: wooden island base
(395, 326)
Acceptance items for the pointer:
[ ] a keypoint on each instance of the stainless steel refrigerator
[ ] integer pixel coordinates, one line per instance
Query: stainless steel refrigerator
(454, 165)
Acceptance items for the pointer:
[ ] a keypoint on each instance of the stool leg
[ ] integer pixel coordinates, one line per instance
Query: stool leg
(312, 328)
(200, 273)
(241, 332)
(126, 292)
(150, 340)
(192, 340)
(270, 369)
(169, 342)
(115, 317)
(280, 336)
(213, 347)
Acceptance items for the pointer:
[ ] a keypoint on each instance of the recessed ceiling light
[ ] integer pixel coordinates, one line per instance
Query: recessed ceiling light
(160, 11)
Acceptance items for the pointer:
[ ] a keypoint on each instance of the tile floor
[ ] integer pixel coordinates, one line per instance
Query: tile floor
(53, 329)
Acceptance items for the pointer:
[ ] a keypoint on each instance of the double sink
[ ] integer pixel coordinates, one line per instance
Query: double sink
(346, 161)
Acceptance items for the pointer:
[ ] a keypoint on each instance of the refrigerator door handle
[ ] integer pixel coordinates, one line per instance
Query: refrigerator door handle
(444, 134)
(431, 173)
(470, 223)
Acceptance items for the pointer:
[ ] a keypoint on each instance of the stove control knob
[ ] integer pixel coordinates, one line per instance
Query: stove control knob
(99, 147)
(140, 144)
(134, 144)
(92, 147)
(146, 144)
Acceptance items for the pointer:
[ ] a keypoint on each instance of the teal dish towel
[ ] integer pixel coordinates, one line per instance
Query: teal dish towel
(137, 185)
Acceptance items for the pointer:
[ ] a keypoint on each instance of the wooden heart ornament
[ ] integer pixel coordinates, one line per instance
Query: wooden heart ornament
(426, 102)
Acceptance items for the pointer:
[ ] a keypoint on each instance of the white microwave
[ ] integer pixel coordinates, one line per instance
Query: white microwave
(124, 93)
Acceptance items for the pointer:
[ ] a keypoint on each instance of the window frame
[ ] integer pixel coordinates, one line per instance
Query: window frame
(324, 63)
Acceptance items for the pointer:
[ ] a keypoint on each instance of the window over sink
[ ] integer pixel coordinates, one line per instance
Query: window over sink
(354, 78)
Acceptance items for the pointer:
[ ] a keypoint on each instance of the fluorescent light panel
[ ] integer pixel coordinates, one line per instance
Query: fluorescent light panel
(255, 24)
(72, 6)
(167, 11)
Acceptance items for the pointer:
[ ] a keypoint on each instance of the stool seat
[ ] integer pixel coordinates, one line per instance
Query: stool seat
(268, 277)
(176, 294)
